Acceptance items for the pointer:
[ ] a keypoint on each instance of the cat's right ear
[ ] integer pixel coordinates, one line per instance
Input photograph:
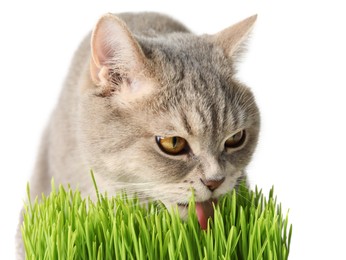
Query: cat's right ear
(116, 56)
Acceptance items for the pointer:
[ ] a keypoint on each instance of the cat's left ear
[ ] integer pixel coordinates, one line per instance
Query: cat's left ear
(232, 38)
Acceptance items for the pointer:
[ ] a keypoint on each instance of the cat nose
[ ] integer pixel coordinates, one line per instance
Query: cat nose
(212, 184)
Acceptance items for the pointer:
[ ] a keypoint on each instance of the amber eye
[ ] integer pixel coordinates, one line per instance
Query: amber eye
(174, 145)
(236, 140)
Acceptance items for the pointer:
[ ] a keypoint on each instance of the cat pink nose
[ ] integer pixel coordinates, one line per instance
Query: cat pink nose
(212, 184)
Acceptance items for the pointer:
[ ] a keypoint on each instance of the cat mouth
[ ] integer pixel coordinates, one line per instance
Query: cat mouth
(204, 211)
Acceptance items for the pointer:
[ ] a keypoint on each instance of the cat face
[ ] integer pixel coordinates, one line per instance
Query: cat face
(164, 117)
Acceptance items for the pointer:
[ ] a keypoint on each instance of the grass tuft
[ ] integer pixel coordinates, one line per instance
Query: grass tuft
(65, 226)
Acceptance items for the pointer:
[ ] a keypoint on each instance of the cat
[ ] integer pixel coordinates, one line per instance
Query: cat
(155, 110)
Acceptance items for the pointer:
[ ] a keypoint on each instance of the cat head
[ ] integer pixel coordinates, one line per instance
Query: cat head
(165, 116)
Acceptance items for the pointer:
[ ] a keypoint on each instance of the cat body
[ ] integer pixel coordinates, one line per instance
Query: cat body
(154, 110)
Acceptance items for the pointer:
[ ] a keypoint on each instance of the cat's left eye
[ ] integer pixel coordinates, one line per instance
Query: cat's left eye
(236, 140)
(174, 145)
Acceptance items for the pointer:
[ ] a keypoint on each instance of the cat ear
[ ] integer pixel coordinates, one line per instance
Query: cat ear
(232, 38)
(116, 56)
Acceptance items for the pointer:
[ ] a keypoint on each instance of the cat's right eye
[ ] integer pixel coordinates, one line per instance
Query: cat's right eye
(174, 145)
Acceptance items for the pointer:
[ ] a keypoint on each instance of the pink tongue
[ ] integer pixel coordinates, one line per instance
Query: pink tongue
(205, 210)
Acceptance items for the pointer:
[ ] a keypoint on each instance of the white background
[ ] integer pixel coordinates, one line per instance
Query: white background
(295, 66)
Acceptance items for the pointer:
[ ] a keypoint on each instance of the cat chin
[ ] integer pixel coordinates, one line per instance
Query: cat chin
(183, 211)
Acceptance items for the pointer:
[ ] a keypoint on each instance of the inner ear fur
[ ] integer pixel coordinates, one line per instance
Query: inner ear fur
(115, 54)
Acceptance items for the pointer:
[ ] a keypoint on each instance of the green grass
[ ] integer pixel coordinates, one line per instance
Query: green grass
(65, 226)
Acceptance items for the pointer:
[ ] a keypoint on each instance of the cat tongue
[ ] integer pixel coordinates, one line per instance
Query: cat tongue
(205, 210)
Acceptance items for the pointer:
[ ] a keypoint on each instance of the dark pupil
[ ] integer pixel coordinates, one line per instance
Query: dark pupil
(174, 141)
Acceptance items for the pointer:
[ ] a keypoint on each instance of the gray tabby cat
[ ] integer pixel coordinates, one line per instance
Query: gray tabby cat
(155, 110)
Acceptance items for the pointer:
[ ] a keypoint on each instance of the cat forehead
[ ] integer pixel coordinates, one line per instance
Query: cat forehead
(196, 85)
(201, 113)
(181, 53)
(188, 65)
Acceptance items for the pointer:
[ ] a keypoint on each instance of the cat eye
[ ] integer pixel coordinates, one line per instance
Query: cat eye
(174, 145)
(236, 140)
